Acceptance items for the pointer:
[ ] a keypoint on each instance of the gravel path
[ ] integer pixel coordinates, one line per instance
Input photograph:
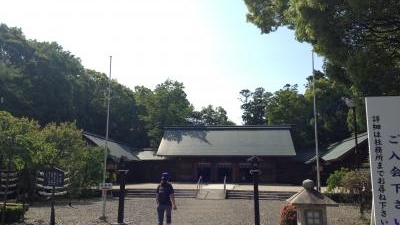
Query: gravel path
(141, 211)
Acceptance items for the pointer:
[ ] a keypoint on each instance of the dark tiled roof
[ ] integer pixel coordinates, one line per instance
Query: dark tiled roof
(309, 156)
(342, 148)
(117, 150)
(227, 141)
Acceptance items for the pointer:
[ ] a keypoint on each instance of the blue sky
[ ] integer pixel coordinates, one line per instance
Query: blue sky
(205, 44)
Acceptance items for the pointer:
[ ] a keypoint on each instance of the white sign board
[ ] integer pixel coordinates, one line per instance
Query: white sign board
(105, 186)
(384, 148)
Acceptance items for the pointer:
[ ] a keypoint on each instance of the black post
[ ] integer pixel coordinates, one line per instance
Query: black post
(121, 199)
(52, 215)
(357, 166)
(256, 200)
(255, 172)
(122, 171)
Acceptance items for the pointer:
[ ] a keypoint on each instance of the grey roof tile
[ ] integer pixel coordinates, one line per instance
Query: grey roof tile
(116, 150)
(227, 141)
(340, 149)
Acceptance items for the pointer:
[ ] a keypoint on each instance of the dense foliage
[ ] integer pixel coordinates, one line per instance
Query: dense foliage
(359, 39)
(334, 181)
(360, 43)
(167, 105)
(358, 183)
(288, 106)
(42, 81)
(254, 106)
(28, 148)
(355, 184)
(210, 116)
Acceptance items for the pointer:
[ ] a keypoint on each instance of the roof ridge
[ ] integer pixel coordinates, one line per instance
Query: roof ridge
(333, 145)
(109, 140)
(229, 127)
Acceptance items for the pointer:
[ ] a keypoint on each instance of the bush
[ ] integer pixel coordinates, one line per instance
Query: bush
(353, 186)
(334, 180)
(358, 183)
(288, 215)
(14, 212)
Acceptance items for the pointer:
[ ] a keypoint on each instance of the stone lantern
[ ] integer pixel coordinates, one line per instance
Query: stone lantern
(311, 205)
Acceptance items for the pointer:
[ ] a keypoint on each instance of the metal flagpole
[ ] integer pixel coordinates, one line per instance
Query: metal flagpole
(104, 192)
(315, 127)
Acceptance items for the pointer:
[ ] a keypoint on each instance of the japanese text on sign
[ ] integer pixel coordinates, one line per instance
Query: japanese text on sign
(384, 147)
(54, 178)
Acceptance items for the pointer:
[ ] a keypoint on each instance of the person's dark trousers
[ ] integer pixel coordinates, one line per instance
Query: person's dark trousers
(160, 211)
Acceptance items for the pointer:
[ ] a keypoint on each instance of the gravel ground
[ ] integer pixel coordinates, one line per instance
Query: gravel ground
(141, 211)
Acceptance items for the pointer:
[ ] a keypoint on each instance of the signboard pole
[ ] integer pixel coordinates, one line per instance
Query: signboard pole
(54, 178)
(52, 215)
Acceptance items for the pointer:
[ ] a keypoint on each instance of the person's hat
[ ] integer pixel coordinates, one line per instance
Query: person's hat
(164, 176)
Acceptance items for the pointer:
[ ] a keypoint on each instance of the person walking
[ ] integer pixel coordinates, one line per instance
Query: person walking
(165, 199)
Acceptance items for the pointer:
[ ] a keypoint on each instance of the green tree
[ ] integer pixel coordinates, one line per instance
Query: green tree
(334, 181)
(125, 124)
(254, 106)
(70, 153)
(42, 81)
(210, 116)
(28, 148)
(90, 98)
(14, 48)
(38, 77)
(358, 183)
(13, 85)
(51, 87)
(167, 105)
(90, 101)
(330, 107)
(18, 140)
(20, 144)
(287, 106)
(360, 37)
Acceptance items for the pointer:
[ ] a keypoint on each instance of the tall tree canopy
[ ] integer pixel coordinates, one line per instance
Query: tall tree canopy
(289, 107)
(330, 106)
(210, 116)
(361, 38)
(41, 81)
(254, 106)
(39, 75)
(165, 106)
